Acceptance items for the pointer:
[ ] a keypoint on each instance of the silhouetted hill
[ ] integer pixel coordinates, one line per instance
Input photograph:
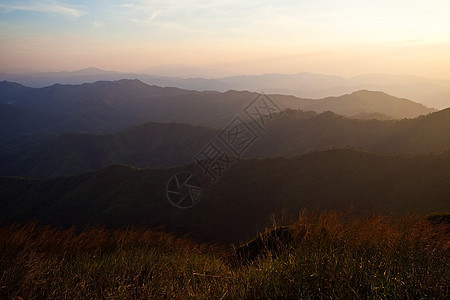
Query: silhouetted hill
(295, 132)
(149, 144)
(289, 135)
(424, 134)
(4, 151)
(63, 99)
(18, 121)
(105, 107)
(432, 93)
(363, 102)
(133, 94)
(243, 199)
(98, 108)
(12, 90)
(372, 116)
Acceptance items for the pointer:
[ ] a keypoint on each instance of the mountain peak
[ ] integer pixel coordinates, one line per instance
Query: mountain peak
(11, 90)
(90, 71)
(121, 82)
(11, 84)
(368, 92)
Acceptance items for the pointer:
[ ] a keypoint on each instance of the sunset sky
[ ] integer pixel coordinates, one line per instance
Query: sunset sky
(344, 38)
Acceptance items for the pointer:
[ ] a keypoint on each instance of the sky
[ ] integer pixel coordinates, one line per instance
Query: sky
(340, 37)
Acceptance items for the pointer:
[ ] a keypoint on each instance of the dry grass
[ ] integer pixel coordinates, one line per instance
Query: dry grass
(333, 256)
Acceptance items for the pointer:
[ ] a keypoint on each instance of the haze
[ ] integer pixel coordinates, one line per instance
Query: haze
(237, 37)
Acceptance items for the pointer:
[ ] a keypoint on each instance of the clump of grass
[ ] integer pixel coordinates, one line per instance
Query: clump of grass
(331, 256)
(339, 257)
(41, 262)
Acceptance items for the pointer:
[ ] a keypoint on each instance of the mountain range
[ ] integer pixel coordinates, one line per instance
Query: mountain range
(105, 107)
(163, 144)
(102, 153)
(242, 201)
(148, 144)
(430, 92)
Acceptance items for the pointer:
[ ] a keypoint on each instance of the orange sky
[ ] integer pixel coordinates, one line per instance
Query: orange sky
(345, 37)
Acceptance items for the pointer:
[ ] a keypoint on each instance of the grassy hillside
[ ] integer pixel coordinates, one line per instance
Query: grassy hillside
(242, 201)
(332, 256)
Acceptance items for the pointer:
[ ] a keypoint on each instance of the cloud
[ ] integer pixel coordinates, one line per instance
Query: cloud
(195, 16)
(45, 7)
(142, 12)
(98, 25)
(148, 19)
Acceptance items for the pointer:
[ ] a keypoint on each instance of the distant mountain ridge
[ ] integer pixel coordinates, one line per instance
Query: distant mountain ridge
(161, 144)
(290, 135)
(359, 102)
(432, 93)
(12, 90)
(104, 107)
(57, 97)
